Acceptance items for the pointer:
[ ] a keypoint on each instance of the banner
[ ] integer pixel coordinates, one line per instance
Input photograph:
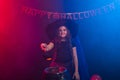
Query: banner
(73, 16)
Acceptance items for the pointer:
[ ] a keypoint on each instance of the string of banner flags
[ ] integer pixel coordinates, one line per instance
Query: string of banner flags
(73, 16)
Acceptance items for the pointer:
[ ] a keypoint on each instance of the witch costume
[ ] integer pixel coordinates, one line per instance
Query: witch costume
(62, 52)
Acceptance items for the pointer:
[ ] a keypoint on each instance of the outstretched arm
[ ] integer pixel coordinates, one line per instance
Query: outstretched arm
(46, 47)
(75, 58)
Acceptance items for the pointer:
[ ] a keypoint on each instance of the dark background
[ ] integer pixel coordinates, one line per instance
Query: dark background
(21, 35)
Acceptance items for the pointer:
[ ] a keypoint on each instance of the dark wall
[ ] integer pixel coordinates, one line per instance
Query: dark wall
(21, 57)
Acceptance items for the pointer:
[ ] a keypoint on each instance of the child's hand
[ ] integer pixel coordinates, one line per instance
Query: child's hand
(43, 46)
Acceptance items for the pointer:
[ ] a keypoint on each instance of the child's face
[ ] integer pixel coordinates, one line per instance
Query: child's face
(63, 31)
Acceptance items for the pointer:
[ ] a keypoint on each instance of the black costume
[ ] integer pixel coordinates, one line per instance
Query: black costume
(63, 50)
(63, 55)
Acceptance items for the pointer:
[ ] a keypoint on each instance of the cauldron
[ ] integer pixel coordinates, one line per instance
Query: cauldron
(56, 73)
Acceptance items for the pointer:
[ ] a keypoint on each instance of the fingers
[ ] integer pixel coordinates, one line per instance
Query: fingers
(76, 77)
(43, 46)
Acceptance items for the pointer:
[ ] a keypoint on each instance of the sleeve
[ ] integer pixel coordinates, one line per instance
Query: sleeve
(73, 43)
